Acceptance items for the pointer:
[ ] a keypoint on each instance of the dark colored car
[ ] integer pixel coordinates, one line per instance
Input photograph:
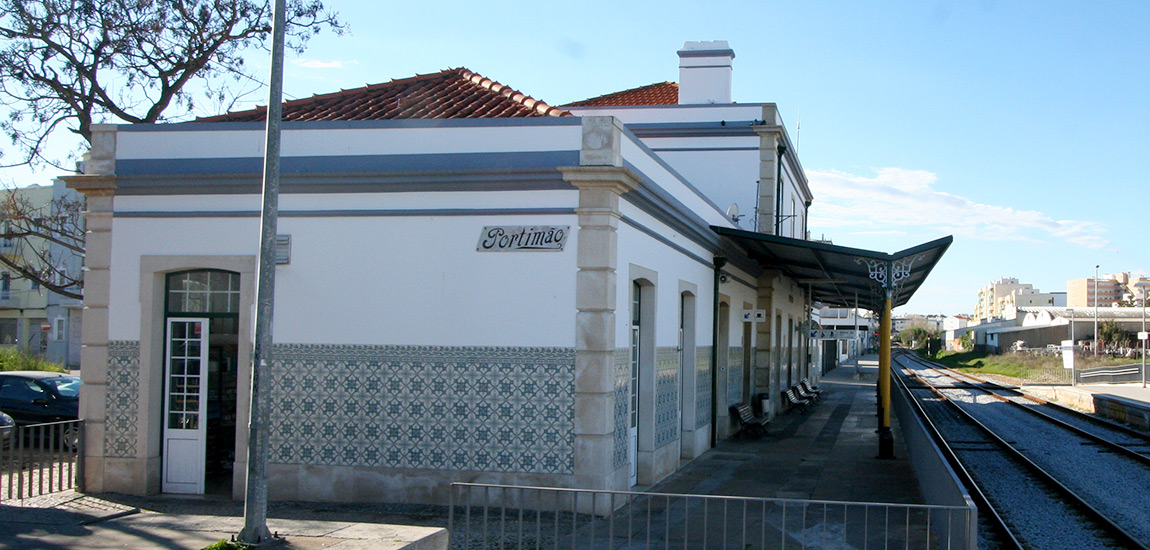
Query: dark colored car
(6, 427)
(36, 397)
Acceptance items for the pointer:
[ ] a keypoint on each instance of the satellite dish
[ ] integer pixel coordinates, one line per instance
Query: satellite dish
(733, 212)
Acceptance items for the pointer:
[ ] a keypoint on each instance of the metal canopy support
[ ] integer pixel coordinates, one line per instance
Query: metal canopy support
(889, 275)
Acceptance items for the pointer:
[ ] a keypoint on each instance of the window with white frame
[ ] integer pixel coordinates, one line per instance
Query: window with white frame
(58, 329)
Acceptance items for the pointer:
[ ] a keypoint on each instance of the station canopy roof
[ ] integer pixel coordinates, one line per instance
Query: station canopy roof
(840, 276)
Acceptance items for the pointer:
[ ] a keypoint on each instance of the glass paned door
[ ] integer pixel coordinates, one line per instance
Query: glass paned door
(633, 434)
(185, 381)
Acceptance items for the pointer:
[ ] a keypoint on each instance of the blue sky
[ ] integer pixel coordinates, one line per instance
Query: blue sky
(1021, 128)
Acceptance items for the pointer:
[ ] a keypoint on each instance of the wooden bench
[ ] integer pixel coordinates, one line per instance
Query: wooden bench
(795, 401)
(748, 422)
(811, 388)
(803, 393)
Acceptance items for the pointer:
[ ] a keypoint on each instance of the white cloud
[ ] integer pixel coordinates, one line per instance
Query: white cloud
(319, 64)
(897, 199)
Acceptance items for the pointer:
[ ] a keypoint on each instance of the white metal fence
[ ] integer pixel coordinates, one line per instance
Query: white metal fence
(512, 517)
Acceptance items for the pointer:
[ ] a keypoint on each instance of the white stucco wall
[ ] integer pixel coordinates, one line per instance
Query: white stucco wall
(376, 279)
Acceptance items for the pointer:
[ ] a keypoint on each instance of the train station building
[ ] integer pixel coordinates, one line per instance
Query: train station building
(473, 285)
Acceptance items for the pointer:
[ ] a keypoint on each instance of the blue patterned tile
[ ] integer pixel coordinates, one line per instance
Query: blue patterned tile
(734, 376)
(123, 397)
(622, 407)
(465, 408)
(703, 374)
(666, 396)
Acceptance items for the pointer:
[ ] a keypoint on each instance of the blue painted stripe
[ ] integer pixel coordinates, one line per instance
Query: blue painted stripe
(351, 163)
(704, 149)
(364, 213)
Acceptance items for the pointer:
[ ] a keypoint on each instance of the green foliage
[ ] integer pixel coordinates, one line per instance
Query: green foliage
(967, 340)
(961, 359)
(915, 337)
(1111, 334)
(14, 359)
(227, 545)
(1021, 365)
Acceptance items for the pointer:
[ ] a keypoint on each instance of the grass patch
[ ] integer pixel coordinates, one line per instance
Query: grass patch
(15, 359)
(1019, 365)
(227, 545)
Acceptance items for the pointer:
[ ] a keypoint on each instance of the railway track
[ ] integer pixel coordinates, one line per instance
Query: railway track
(1044, 484)
(1118, 438)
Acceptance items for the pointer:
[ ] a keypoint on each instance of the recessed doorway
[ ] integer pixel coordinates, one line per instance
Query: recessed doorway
(200, 381)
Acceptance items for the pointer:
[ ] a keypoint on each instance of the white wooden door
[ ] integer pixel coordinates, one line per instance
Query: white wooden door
(185, 405)
(633, 397)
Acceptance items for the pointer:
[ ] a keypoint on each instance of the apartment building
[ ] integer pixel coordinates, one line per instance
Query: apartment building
(1108, 289)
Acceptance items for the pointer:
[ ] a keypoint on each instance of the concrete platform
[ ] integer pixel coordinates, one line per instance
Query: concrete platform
(1125, 403)
(829, 453)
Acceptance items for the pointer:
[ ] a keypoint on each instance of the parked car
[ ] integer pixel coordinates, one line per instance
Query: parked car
(6, 427)
(36, 397)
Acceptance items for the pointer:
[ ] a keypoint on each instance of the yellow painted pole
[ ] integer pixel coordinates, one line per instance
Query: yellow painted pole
(885, 437)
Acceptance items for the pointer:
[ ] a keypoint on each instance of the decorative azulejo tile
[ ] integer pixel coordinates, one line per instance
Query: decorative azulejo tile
(702, 386)
(622, 405)
(459, 408)
(734, 375)
(123, 398)
(666, 396)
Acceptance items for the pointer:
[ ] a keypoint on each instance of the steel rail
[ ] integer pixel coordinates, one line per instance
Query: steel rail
(1141, 457)
(1086, 417)
(1104, 522)
(1003, 534)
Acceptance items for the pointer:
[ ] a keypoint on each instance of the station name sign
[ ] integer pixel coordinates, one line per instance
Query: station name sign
(523, 238)
(832, 334)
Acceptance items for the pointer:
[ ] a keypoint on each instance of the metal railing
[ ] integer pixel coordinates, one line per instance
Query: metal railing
(1110, 375)
(511, 517)
(40, 459)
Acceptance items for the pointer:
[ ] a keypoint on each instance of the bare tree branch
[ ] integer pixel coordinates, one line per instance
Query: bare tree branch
(28, 232)
(78, 62)
(69, 64)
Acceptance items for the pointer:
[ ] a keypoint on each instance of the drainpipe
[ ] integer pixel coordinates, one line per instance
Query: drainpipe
(719, 262)
(782, 149)
(806, 214)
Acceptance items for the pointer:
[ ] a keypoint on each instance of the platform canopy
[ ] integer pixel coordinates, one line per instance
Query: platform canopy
(840, 276)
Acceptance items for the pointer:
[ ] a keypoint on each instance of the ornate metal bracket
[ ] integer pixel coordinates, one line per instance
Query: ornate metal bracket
(890, 275)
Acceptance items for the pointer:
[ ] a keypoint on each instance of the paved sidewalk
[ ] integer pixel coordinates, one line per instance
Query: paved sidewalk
(829, 453)
(71, 520)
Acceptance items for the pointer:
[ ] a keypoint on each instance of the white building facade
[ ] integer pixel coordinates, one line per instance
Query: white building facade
(537, 301)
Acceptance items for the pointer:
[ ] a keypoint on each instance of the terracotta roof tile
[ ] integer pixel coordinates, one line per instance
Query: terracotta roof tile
(662, 93)
(453, 93)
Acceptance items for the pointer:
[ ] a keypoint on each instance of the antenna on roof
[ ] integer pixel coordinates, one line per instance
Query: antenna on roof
(798, 129)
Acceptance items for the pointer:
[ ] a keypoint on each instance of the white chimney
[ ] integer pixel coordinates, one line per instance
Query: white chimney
(705, 72)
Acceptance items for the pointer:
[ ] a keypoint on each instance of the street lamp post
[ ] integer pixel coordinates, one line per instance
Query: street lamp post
(1096, 311)
(1073, 347)
(1143, 335)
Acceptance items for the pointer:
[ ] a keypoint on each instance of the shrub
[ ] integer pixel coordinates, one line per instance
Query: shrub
(15, 359)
